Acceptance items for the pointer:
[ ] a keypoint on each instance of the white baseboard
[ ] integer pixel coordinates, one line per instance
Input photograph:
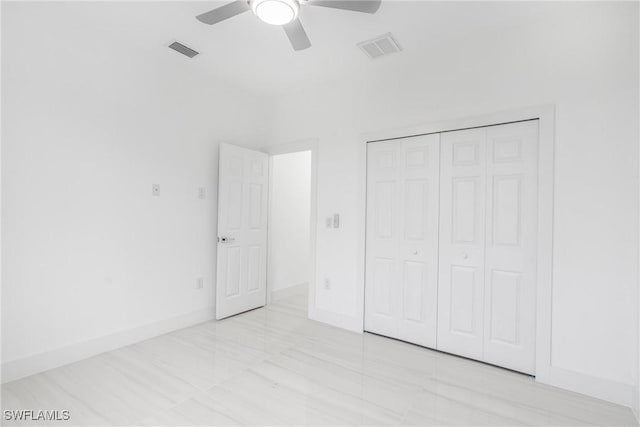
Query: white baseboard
(609, 390)
(299, 289)
(19, 368)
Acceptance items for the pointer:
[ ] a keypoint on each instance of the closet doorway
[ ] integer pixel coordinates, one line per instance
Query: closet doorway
(451, 242)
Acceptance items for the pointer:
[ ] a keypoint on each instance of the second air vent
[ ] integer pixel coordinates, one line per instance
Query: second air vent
(186, 51)
(380, 46)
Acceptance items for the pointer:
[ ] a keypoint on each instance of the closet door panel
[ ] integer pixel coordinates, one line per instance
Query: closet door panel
(419, 240)
(402, 243)
(462, 233)
(383, 293)
(509, 337)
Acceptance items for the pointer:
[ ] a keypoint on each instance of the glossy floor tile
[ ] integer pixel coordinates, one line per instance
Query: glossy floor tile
(273, 366)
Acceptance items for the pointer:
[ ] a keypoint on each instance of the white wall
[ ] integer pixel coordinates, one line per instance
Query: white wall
(87, 128)
(636, 391)
(289, 215)
(585, 61)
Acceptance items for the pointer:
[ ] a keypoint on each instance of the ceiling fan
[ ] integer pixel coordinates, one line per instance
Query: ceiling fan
(285, 13)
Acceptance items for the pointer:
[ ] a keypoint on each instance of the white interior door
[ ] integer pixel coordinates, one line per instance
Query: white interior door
(462, 235)
(242, 230)
(402, 242)
(510, 260)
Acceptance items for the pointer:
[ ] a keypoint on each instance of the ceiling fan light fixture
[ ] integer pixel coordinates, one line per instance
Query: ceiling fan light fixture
(275, 12)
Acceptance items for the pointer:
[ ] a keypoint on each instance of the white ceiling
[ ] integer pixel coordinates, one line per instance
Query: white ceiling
(258, 56)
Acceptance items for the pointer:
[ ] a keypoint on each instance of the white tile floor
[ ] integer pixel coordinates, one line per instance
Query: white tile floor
(273, 366)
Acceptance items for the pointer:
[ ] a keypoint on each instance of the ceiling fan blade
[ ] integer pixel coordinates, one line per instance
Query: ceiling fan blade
(224, 12)
(297, 36)
(366, 6)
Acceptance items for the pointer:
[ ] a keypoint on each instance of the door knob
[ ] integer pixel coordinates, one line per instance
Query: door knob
(415, 252)
(225, 239)
(465, 256)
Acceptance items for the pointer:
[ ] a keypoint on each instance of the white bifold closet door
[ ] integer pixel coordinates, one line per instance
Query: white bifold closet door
(402, 239)
(451, 242)
(488, 219)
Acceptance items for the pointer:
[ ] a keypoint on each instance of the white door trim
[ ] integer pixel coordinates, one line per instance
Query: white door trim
(295, 147)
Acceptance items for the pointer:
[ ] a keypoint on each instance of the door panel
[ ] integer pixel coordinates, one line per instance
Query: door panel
(504, 307)
(383, 292)
(234, 203)
(234, 264)
(253, 272)
(463, 209)
(419, 240)
(414, 283)
(256, 210)
(511, 246)
(383, 285)
(385, 193)
(402, 230)
(242, 222)
(462, 218)
(461, 294)
(507, 209)
(415, 209)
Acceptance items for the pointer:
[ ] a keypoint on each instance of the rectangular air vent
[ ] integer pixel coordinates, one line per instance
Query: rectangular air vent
(186, 51)
(380, 46)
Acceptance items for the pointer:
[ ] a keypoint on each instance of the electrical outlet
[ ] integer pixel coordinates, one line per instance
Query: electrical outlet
(200, 283)
(155, 190)
(201, 193)
(327, 284)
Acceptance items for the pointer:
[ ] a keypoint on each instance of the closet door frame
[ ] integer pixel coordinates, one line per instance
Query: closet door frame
(545, 115)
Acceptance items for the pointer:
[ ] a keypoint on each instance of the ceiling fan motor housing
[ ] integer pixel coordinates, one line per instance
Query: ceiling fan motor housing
(275, 12)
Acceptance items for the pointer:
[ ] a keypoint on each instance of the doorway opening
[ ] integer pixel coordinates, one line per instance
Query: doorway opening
(289, 248)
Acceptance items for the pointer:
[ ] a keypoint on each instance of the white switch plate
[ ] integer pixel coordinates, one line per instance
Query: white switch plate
(200, 283)
(201, 193)
(155, 189)
(329, 222)
(336, 220)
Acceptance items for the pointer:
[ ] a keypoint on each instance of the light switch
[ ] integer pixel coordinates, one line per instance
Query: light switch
(336, 220)
(329, 222)
(201, 193)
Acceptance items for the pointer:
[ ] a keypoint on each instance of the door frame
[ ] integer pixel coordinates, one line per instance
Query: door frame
(296, 147)
(544, 269)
